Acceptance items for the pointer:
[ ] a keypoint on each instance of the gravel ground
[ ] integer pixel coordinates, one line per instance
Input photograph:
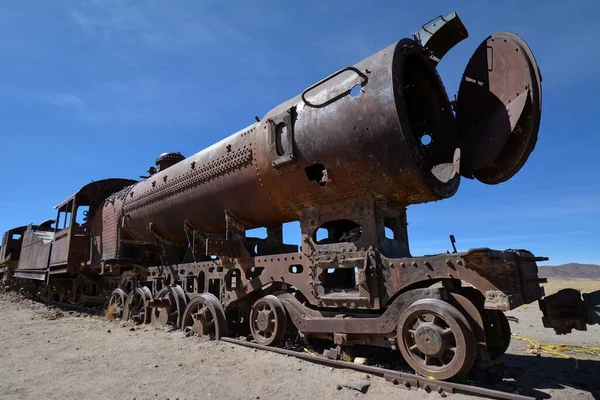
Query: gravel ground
(52, 354)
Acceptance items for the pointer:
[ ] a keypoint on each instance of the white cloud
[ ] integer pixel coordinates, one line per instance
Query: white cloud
(168, 27)
(64, 100)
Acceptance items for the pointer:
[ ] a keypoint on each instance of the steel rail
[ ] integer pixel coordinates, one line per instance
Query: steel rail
(71, 307)
(396, 378)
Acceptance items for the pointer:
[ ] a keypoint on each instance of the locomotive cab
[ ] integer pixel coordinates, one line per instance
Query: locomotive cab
(71, 246)
(71, 235)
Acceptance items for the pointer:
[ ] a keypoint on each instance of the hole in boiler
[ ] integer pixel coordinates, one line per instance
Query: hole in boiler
(316, 172)
(355, 91)
(426, 139)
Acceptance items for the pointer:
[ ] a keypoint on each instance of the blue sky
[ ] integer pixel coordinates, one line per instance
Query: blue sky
(96, 89)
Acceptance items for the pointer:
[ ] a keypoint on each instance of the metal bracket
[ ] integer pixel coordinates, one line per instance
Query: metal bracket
(193, 237)
(281, 141)
(235, 228)
(441, 34)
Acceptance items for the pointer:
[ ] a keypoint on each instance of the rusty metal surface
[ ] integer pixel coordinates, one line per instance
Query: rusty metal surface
(592, 305)
(12, 241)
(334, 139)
(106, 225)
(35, 253)
(496, 274)
(440, 35)
(569, 309)
(71, 245)
(10, 252)
(498, 108)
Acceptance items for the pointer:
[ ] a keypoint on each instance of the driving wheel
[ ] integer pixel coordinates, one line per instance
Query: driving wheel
(168, 306)
(204, 316)
(116, 303)
(137, 306)
(268, 321)
(436, 340)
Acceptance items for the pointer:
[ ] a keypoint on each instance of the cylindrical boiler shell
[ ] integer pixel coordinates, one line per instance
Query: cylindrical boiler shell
(364, 143)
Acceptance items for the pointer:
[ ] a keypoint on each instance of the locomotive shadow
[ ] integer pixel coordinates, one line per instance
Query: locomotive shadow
(532, 373)
(513, 373)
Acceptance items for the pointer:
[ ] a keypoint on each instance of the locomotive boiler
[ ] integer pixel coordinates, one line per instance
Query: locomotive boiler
(344, 158)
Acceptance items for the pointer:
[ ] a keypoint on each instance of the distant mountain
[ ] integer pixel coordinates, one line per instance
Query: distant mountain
(570, 271)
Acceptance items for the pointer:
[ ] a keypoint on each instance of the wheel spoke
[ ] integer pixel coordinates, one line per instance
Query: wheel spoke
(447, 333)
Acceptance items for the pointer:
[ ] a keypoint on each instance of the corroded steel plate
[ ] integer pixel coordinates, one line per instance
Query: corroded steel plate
(498, 109)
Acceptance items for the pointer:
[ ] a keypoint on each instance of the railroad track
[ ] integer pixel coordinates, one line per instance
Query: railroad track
(70, 307)
(402, 380)
(396, 378)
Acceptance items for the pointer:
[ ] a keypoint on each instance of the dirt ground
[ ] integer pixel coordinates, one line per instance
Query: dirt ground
(583, 285)
(52, 354)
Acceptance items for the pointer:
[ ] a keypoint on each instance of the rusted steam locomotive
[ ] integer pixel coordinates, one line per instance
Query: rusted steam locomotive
(344, 158)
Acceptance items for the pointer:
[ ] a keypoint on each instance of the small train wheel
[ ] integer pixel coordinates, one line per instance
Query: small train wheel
(436, 340)
(268, 321)
(137, 306)
(498, 337)
(171, 301)
(117, 302)
(204, 316)
(128, 281)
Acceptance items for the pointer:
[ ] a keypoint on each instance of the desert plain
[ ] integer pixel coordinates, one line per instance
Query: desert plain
(48, 353)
